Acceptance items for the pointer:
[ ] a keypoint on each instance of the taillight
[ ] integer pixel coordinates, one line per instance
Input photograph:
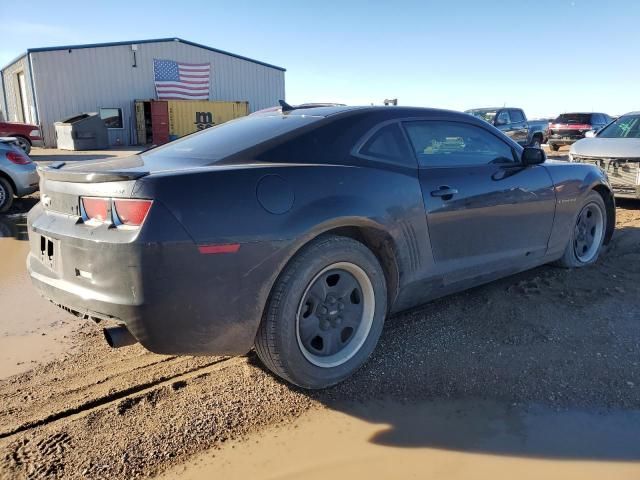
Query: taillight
(18, 158)
(95, 208)
(132, 211)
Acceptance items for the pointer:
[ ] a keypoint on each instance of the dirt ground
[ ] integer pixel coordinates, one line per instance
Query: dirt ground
(536, 375)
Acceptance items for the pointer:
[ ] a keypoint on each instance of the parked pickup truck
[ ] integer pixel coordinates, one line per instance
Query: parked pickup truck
(513, 122)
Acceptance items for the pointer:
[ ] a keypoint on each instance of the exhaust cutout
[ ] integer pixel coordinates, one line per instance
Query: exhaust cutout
(118, 337)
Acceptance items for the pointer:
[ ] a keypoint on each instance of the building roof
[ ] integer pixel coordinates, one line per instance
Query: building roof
(138, 42)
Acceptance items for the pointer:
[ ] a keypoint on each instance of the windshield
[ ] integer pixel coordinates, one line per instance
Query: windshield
(583, 118)
(486, 115)
(216, 143)
(627, 126)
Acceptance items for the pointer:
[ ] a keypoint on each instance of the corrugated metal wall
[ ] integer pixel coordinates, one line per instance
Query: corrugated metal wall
(83, 80)
(13, 110)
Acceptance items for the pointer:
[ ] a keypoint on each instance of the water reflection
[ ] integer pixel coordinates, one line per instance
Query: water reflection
(14, 226)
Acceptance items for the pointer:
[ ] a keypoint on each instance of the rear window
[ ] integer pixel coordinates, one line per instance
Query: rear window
(583, 118)
(220, 141)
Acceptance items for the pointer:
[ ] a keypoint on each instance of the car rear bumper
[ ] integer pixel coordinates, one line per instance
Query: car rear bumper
(562, 141)
(25, 178)
(172, 298)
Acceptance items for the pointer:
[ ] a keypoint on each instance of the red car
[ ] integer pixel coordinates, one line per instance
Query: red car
(25, 134)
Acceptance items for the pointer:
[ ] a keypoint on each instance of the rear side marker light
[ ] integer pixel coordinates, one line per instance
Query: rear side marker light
(226, 248)
(131, 212)
(95, 208)
(18, 158)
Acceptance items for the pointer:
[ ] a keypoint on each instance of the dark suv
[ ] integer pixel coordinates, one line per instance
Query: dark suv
(571, 127)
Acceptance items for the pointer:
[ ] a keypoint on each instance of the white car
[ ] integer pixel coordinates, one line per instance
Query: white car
(616, 149)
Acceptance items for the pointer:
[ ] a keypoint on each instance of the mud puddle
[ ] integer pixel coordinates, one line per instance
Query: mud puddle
(32, 330)
(440, 439)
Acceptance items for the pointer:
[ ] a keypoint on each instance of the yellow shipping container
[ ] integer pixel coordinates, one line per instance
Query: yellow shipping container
(188, 116)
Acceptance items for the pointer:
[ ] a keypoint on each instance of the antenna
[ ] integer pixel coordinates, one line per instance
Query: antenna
(285, 106)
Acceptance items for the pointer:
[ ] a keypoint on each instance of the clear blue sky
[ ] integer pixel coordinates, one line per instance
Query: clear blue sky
(545, 56)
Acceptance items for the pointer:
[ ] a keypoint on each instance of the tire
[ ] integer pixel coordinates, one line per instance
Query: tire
(315, 333)
(24, 144)
(536, 141)
(587, 234)
(554, 147)
(6, 195)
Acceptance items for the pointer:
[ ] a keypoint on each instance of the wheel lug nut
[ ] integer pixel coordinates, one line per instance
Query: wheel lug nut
(338, 321)
(341, 306)
(324, 310)
(325, 324)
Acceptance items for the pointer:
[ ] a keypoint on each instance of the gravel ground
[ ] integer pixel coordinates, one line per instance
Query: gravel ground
(564, 339)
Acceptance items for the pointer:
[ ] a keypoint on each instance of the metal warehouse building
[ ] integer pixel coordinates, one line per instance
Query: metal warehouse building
(46, 85)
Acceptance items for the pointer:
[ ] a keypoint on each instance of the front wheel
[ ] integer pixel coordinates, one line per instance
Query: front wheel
(536, 142)
(325, 314)
(587, 234)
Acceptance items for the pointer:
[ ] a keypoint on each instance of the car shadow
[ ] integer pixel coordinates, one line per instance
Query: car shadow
(14, 226)
(545, 364)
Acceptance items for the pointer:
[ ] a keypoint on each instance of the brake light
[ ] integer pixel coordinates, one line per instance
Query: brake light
(18, 158)
(95, 208)
(132, 211)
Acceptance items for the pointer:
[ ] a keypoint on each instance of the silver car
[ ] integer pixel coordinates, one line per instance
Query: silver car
(615, 149)
(18, 175)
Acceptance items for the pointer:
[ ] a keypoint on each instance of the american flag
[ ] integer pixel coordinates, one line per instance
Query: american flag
(177, 80)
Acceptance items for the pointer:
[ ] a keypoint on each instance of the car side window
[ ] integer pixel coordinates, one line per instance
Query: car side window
(503, 118)
(388, 144)
(516, 116)
(451, 144)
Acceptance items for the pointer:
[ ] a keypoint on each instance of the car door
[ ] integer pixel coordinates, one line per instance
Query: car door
(519, 125)
(485, 211)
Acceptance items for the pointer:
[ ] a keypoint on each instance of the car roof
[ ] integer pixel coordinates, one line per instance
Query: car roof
(392, 111)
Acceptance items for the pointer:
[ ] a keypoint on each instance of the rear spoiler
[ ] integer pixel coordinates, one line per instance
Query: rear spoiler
(54, 172)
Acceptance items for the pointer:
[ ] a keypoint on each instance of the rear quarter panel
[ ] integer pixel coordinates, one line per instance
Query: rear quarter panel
(222, 205)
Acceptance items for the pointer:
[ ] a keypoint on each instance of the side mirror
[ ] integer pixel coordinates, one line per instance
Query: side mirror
(590, 133)
(533, 156)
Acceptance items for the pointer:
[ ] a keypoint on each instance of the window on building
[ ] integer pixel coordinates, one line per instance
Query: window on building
(112, 117)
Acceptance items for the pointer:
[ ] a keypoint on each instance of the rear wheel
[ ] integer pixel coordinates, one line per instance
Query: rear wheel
(587, 234)
(325, 314)
(6, 195)
(24, 144)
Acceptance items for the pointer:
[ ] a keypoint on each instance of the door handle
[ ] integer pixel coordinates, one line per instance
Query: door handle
(444, 191)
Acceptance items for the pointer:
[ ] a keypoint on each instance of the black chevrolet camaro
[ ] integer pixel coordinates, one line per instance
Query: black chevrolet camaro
(299, 231)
